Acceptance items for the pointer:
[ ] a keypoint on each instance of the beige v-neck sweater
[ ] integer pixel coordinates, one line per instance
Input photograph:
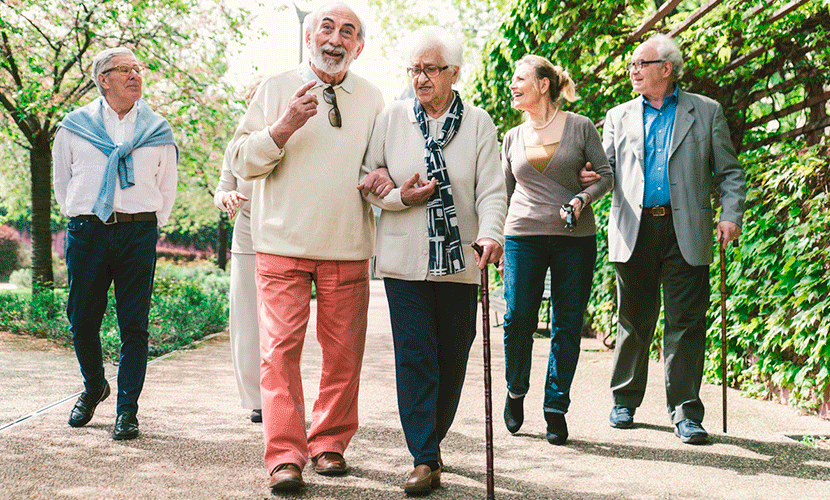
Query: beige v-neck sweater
(534, 197)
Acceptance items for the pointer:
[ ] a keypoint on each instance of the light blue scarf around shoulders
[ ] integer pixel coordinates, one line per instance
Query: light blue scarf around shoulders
(150, 130)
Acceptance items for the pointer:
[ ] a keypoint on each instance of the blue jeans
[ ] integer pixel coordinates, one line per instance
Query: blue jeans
(526, 260)
(433, 327)
(96, 256)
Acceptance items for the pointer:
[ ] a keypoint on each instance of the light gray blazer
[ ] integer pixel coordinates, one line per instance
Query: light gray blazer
(701, 157)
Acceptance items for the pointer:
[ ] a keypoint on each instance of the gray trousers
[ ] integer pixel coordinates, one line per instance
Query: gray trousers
(655, 262)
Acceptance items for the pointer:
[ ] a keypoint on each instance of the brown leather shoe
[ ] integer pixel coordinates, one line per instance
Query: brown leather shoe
(422, 480)
(286, 477)
(329, 463)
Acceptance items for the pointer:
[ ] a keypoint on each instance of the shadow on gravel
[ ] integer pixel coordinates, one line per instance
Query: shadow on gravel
(782, 459)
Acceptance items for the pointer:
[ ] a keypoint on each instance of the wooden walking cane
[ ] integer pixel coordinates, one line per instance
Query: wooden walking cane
(723, 329)
(488, 395)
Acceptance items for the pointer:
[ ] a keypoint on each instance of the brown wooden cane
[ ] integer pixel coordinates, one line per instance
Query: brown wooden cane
(488, 395)
(723, 329)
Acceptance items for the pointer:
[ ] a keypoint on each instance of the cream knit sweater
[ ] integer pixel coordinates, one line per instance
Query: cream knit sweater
(304, 201)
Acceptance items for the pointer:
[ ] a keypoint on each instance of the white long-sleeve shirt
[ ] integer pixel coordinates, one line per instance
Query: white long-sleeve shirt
(79, 169)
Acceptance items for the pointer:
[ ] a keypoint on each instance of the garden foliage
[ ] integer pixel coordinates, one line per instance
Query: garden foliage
(769, 66)
(12, 256)
(188, 303)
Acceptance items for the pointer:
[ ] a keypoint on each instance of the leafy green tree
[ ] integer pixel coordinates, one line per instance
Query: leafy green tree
(46, 51)
(474, 21)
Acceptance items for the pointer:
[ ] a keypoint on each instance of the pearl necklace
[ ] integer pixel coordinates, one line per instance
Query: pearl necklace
(556, 110)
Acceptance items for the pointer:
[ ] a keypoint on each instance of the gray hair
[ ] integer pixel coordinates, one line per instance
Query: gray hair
(667, 49)
(102, 60)
(311, 24)
(436, 37)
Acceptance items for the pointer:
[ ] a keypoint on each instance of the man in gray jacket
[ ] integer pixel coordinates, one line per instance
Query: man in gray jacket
(668, 149)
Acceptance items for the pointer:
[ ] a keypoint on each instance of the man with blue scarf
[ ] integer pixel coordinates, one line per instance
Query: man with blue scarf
(115, 166)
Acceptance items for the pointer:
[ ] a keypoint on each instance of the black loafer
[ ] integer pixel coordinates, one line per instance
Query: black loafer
(557, 431)
(256, 416)
(85, 406)
(514, 413)
(126, 426)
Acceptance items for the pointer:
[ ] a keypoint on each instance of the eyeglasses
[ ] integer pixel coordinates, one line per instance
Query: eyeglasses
(639, 65)
(334, 112)
(431, 71)
(124, 69)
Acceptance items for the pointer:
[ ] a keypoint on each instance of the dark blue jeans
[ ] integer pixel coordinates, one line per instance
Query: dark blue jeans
(96, 256)
(433, 327)
(526, 260)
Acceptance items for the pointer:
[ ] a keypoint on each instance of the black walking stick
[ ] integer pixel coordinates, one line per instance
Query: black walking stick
(488, 396)
(723, 329)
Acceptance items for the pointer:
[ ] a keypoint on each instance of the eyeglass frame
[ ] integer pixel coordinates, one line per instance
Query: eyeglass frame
(426, 70)
(132, 67)
(335, 118)
(639, 65)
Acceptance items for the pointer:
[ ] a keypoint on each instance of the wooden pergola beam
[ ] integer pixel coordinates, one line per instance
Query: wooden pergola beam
(776, 115)
(694, 17)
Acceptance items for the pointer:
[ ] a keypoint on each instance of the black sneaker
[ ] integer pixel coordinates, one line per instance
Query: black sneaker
(691, 432)
(622, 417)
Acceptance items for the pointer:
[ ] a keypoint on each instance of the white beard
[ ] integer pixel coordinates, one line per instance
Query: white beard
(328, 65)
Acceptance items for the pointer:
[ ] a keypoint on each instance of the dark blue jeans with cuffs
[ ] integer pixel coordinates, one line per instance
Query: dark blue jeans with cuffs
(98, 255)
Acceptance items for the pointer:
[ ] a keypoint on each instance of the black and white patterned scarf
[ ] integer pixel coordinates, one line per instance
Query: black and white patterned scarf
(445, 253)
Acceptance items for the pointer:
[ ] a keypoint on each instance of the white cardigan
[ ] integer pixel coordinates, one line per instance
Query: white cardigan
(478, 189)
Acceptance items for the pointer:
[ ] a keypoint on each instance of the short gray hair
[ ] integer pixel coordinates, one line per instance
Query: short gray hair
(667, 49)
(311, 24)
(436, 37)
(102, 60)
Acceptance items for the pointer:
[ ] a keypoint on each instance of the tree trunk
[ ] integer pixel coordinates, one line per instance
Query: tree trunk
(41, 170)
(222, 241)
(818, 112)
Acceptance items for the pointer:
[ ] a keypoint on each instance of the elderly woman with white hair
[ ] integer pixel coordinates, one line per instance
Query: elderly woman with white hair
(443, 155)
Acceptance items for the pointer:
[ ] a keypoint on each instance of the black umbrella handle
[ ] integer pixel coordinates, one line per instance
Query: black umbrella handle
(488, 394)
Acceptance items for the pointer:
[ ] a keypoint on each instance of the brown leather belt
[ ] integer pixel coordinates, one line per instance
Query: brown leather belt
(118, 217)
(657, 211)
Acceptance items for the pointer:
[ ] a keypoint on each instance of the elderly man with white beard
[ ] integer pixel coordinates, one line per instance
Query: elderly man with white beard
(310, 225)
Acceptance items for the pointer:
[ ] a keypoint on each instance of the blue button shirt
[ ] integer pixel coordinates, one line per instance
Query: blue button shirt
(658, 124)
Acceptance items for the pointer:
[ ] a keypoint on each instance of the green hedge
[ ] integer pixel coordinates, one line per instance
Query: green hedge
(778, 280)
(188, 303)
